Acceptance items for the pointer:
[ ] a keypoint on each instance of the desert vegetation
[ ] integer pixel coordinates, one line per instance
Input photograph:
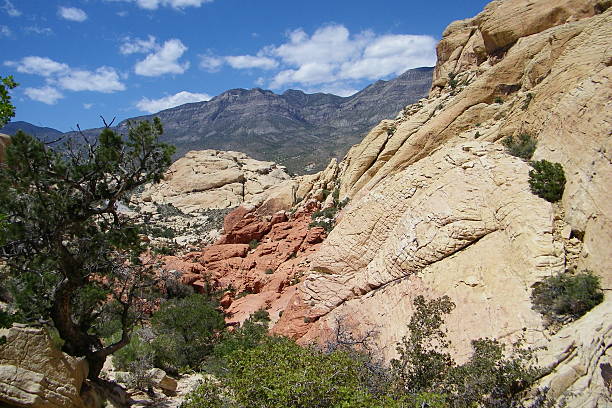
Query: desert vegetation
(251, 368)
(565, 297)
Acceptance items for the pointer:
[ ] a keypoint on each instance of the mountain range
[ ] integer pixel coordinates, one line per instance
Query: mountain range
(298, 130)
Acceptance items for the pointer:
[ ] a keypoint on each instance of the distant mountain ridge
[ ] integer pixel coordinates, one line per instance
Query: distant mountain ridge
(294, 128)
(301, 131)
(46, 134)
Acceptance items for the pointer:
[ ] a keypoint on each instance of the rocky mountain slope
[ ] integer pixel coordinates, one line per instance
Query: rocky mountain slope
(438, 206)
(42, 133)
(300, 131)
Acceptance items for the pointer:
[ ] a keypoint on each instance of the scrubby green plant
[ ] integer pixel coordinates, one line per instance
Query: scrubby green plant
(488, 379)
(547, 180)
(139, 348)
(269, 272)
(209, 394)
(423, 357)
(7, 109)
(279, 373)
(452, 81)
(185, 331)
(527, 101)
(254, 243)
(567, 296)
(523, 147)
(499, 100)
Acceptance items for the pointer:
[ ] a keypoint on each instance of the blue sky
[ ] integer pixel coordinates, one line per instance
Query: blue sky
(77, 60)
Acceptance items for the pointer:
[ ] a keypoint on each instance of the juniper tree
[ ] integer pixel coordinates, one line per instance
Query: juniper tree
(67, 250)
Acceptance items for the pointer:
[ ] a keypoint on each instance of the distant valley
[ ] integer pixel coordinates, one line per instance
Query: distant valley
(298, 130)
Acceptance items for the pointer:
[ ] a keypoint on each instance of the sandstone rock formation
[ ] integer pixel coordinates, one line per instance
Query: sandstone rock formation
(518, 67)
(186, 210)
(257, 262)
(33, 373)
(438, 207)
(214, 179)
(423, 230)
(4, 141)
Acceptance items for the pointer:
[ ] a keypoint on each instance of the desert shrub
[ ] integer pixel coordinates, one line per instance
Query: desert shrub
(452, 81)
(547, 180)
(527, 101)
(185, 331)
(488, 379)
(160, 232)
(566, 296)
(499, 100)
(209, 394)
(279, 373)
(423, 356)
(254, 243)
(168, 210)
(523, 147)
(250, 334)
(139, 348)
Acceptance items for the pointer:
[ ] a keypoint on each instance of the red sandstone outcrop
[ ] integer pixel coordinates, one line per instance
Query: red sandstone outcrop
(259, 261)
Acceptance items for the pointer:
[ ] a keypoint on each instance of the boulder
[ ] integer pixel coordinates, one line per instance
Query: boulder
(161, 380)
(4, 141)
(35, 374)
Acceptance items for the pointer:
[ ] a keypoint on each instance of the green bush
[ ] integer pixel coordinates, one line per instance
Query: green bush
(523, 147)
(254, 243)
(547, 180)
(185, 331)
(280, 374)
(488, 379)
(209, 394)
(567, 297)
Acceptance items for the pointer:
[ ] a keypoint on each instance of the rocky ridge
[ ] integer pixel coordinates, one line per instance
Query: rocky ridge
(187, 208)
(437, 206)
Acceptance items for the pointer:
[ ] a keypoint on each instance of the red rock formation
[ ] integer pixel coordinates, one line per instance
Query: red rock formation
(255, 278)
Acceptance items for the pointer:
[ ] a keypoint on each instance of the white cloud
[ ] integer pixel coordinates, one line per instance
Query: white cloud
(10, 9)
(87, 105)
(39, 66)
(164, 61)
(5, 31)
(60, 75)
(103, 79)
(250, 61)
(333, 59)
(391, 54)
(155, 4)
(170, 101)
(72, 14)
(211, 63)
(47, 94)
(138, 45)
(177, 4)
(38, 30)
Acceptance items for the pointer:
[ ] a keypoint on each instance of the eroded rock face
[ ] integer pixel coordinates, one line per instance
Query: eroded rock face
(579, 361)
(259, 261)
(550, 80)
(4, 141)
(209, 179)
(439, 208)
(33, 373)
(461, 222)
